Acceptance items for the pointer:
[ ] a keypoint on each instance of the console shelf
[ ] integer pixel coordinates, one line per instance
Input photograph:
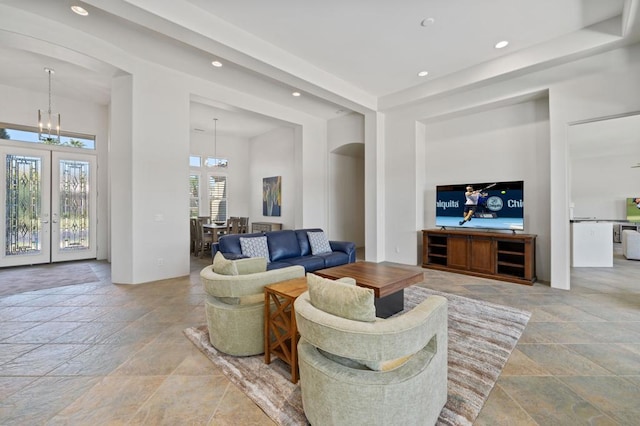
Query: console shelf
(500, 256)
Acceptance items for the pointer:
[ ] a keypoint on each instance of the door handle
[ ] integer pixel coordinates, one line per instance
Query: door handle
(45, 221)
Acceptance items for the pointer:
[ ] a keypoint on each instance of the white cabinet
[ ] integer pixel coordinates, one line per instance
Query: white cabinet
(591, 244)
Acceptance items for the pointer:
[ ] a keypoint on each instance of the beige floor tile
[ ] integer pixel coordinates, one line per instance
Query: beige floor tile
(113, 400)
(520, 364)
(40, 400)
(615, 358)
(237, 409)
(182, 400)
(501, 410)
(615, 396)
(560, 360)
(123, 357)
(549, 402)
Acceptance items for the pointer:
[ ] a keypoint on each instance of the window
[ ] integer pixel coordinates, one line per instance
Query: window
(212, 190)
(194, 195)
(27, 134)
(217, 162)
(218, 198)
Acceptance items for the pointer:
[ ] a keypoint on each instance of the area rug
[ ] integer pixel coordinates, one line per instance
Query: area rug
(22, 279)
(481, 338)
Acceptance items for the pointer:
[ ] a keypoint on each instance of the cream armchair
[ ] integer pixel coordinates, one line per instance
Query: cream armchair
(631, 244)
(371, 372)
(235, 302)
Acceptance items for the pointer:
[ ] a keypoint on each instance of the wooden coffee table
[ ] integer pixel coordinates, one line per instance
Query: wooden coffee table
(387, 282)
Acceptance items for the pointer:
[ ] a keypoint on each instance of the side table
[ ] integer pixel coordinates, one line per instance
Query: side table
(280, 330)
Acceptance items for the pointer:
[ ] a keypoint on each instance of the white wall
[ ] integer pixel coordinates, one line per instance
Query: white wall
(346, 209)
(273, 154)
(236, 150)
(600, 186)
(345, 174)
(502, 144)
(157, 159)
(345, 130)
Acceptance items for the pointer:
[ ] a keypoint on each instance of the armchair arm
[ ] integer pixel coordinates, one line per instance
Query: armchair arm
(244, 285)
(347, 247)
(374, 341)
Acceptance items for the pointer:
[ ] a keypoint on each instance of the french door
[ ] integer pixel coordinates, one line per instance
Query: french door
(48, 206)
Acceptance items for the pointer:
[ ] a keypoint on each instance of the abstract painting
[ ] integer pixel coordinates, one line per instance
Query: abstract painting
(271, 196)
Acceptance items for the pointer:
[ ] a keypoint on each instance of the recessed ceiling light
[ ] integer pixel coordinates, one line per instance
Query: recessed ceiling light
(216, 64)
(501, 44)
(427, 21)
(296, 94)
(79, 10)
(423, 73)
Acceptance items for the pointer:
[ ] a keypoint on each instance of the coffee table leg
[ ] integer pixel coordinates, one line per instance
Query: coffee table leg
(389, 305)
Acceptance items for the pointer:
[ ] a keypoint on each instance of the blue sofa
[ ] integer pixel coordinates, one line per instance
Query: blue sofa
(290, 247)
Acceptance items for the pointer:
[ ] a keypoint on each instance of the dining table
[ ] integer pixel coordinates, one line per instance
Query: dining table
(215, 229)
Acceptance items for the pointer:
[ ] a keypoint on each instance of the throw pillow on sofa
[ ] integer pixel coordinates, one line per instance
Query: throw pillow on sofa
(255, 247)
(319, 243)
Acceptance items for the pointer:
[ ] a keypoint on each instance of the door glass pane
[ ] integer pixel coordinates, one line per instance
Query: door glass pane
(74, 205)
(23, 205)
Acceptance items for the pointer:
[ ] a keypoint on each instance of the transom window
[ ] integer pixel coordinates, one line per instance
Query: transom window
(27, 134)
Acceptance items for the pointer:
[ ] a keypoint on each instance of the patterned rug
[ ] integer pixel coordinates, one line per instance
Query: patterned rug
(481, 338)
(30, 278)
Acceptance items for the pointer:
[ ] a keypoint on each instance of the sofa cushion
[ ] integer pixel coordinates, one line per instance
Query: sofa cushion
(283, 244)
(255, 247)
(319, 242)
(224, 266)
(310, 263)
(340, 299)
(335, 258)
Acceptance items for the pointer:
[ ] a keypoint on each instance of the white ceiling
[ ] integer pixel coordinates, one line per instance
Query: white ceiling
(342, 55)
(381, 45)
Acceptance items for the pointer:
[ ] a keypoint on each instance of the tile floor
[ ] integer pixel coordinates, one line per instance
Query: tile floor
(100, 353)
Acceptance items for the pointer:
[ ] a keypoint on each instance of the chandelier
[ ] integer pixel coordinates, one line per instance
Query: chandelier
(49, 122)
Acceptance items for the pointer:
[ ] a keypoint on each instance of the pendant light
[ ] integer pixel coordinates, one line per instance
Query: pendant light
(49, 122)
(215, 138)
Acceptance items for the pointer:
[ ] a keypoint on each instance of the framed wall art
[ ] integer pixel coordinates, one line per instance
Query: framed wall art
(271, 196)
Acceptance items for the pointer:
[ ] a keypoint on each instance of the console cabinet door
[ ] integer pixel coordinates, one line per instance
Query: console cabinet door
(458, 256)
(482, 255)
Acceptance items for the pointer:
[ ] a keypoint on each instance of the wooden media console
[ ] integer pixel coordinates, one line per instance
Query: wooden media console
(499, 256)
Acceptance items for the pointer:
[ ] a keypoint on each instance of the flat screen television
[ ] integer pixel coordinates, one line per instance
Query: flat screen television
(633, 209)
(500, 205)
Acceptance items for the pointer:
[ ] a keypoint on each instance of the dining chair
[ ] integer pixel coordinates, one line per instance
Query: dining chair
(193, 232)
(243, 226)
(233, 225)
(205, 236)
